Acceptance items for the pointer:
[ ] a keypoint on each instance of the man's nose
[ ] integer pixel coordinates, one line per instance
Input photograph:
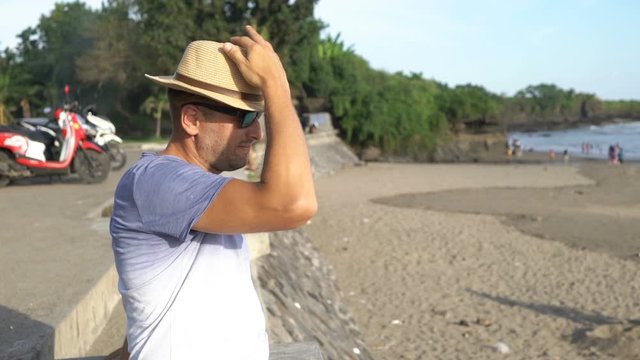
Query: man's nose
(254, 131)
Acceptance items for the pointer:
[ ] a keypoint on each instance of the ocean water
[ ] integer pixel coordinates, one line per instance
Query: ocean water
(627, 135)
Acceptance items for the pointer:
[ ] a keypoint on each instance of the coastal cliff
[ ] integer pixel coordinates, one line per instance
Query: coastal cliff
(472, 148)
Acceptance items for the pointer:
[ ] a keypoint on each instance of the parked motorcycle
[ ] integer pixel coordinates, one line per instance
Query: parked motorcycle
(99, 130)
(51, 149)
(103, 133)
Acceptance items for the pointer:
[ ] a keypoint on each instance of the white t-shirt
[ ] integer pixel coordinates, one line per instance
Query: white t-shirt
(187, 294)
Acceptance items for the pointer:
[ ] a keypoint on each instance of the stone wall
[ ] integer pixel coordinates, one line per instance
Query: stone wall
(301, 299)
(298, 290)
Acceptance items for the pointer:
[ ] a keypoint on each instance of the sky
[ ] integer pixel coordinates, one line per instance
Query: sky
(504, 45)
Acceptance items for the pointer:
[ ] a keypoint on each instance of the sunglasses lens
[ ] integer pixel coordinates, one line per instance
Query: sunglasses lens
(249, 118)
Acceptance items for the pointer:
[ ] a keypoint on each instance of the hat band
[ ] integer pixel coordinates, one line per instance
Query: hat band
(217, 89)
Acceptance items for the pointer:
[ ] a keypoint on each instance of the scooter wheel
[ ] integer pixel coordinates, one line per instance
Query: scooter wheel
(4, 180)
(92, 167)
(117, 155)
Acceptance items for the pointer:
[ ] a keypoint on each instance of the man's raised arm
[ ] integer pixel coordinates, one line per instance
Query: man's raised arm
(285, 196)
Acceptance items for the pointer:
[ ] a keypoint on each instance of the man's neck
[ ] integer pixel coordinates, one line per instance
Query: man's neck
(188, 153)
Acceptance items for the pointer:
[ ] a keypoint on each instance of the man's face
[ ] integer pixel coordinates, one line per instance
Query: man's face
(221, 143)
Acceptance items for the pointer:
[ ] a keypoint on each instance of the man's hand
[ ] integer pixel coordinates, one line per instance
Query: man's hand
(260, 65)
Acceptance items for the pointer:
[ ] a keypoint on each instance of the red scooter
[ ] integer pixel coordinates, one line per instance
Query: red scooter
(27, 151)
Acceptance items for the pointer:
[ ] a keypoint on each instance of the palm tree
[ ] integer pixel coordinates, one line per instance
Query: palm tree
(155, 105)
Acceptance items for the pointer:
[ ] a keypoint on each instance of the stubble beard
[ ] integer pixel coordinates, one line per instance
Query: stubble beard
(219, 156)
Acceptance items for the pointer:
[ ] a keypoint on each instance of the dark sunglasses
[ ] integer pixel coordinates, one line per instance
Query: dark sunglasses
(247, 117)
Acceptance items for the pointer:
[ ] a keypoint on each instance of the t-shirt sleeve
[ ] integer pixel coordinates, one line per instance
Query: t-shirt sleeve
(172, 196)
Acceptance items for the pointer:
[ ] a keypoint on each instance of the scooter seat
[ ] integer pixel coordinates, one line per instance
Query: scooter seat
(48, 141)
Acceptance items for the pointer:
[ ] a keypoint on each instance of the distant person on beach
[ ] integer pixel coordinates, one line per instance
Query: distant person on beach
(613, 154)
(565, 156)
(508, 151)
(177, 224)
(610, 153)
(313, 128)
(552, 155)
(620, 154)
(517, 148)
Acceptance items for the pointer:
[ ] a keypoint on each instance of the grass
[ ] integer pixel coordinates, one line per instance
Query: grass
(145, 140)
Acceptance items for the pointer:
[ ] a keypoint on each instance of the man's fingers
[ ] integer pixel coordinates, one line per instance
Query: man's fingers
(252, 38)
(253, 34)
(235, 53)
(242, 41)
(254, 56)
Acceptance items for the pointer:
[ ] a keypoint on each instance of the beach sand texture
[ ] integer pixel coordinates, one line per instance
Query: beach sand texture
(443, 284)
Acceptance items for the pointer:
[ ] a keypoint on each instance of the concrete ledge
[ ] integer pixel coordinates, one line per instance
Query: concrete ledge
(77, 332)
(258, 244)
(322, 138)
(296, 351)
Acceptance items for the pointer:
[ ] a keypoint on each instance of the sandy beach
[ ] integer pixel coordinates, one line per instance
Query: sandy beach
(487, 261)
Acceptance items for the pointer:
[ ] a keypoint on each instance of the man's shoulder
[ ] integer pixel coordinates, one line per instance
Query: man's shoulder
(144, 170)
(152, 165)
(150, 160)
(156, 175)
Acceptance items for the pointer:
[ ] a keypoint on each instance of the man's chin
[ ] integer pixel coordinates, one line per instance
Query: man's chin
(236, 165)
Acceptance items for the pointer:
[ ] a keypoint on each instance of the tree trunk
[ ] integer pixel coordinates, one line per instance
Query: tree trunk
(117, 104)
(158, 118)
(26, 108)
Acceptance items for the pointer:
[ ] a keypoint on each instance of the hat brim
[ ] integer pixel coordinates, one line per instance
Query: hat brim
(238, 103)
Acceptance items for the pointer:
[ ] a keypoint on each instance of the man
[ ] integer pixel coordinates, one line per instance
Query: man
(183, 267)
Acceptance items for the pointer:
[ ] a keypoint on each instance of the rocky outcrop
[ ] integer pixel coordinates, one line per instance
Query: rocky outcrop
(472, 148)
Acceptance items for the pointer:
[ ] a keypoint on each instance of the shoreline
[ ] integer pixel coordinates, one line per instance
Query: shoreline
(534, 126)
(528, 158)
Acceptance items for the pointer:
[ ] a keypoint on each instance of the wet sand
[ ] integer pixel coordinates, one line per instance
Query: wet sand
(601, 217)
(466, 261)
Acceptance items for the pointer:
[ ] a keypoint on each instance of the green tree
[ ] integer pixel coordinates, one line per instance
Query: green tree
(468, 106)
(29, 72)
(546, 99)
(113, 66)
(63, 36)
(395, 112)
(5, 86)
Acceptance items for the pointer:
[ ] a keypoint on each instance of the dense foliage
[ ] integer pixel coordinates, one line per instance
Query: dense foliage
(103, 55)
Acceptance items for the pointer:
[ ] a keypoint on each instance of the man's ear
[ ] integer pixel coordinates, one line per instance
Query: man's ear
(189, 120)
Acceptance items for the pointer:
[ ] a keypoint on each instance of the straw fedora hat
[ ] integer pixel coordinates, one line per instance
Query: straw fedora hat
(206, 71)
